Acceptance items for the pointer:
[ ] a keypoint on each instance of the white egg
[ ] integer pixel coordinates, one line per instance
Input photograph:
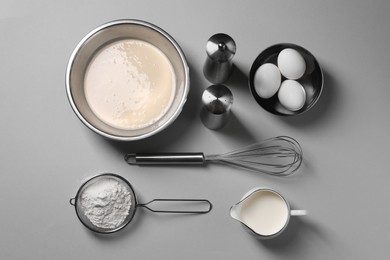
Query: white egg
(292, 95)
(267, 80)
(291, 63)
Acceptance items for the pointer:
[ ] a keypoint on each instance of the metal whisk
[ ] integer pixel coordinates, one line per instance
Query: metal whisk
(281, 155)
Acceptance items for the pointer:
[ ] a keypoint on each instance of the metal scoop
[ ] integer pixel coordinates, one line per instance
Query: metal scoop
(198, 206)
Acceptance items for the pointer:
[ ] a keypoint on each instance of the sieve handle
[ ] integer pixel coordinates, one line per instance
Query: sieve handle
(204, 206)
(164, 158)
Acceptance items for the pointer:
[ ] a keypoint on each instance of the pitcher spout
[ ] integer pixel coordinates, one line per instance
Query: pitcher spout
(235, 212)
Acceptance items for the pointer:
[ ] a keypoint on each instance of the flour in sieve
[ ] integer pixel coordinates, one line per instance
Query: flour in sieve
(106, 203)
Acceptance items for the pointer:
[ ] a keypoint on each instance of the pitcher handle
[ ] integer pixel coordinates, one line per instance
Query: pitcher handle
(298, 212)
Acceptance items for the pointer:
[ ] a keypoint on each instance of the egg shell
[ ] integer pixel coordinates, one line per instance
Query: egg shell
(291, 63)
(292, 95)
(267, 80)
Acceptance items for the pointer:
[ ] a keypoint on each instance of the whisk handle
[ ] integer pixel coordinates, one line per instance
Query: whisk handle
(164, 158)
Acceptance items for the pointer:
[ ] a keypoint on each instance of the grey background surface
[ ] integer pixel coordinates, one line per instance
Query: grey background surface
(46, 152)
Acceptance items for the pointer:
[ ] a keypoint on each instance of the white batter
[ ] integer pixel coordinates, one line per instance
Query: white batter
(129, 84)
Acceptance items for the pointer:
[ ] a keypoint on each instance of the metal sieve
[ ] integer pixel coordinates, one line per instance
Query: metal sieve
(80, 212)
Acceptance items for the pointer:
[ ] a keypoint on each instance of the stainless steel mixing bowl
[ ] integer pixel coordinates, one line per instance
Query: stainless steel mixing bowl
(106, 34)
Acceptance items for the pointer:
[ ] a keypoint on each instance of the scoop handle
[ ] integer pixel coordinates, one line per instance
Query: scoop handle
(164, 158)
(198, 206)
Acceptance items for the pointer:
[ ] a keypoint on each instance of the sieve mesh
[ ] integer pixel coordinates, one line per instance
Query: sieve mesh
(102, 178)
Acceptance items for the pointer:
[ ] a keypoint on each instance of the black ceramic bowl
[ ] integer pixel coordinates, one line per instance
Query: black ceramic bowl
(312, 81)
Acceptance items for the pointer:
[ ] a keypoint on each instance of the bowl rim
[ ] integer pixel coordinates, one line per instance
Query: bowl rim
(253, 69)
(160, 127)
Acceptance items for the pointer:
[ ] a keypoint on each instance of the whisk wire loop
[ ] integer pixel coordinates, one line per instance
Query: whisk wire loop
(280, 155)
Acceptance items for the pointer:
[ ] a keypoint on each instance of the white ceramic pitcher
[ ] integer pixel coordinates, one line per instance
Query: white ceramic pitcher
(264, 212)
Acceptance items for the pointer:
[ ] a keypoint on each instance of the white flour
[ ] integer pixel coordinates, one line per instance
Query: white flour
(106, 203)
